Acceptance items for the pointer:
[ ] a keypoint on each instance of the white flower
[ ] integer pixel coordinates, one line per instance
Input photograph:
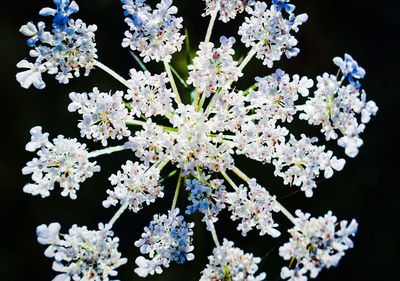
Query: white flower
(136, 185)
(31, 76)
(254, 207)
(214, 68)
(103, 115)
(81, 254)
(231, 263)
(227, 9)
(155, 33)
(65, 50)
(64, 161)
(269, 32)
(316, 243)
(149, 94)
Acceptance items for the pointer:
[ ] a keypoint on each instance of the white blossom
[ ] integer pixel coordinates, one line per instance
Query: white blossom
(81, 254)
(154, 33)
(315, 243)
(103, 115)
(231, 263)
(214, 68)
(148, 94)
(136, 184)
(227, 9)
(65, 50)
(254, 207)
(64, 161)
(268, 32)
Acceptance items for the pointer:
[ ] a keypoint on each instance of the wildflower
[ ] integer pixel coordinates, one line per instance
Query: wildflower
(227, 9)
(254, 207)
(349, 68)
(64, 161)
(81, 254)
(268, 32)
(154, 33)
(148, 94)
(135, 185)
(316, 243)
(231, 263)
(68, 48)
(103, 115)
(214, 68)
(166, 239)
(207, 198)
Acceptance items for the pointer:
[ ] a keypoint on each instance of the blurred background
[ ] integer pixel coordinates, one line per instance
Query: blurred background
(367, 189)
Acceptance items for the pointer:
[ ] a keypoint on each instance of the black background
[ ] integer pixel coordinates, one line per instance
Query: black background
(367, 189)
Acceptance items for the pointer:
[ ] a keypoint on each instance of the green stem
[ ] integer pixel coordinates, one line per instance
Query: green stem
(181, 80)
(112, 73)
(247, 58)
(107, 150)
(178, 186)
(210, 27)
(172, 81)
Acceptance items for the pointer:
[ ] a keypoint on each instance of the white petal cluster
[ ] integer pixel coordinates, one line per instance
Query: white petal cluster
(336, 107)
(154, 33)
(316, 243)
(136, 184)
(206, 197)
(269, 32)
(231, 263)
(299, 162)
(148, 94)
(62, 52)
(103, 115)
(214, 68)
(64, 161)
(189, 144)
(81, 254)
(228, 9)
(254, 207)
(276, 95)
(166, 239)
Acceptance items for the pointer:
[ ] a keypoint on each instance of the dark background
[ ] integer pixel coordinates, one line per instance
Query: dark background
(367, 189)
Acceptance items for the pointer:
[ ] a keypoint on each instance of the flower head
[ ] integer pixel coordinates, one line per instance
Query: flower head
(167, 238)
(154, 33)
(64, 161)
(316, 243)
(81, 254)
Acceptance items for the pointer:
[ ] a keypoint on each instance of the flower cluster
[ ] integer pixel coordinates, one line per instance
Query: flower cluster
(207, 198)
(135, 185)
(335, 106)
(103, 115)
(65, 50)
(148, 94)
(231, 263)
(227, 9)
(81, 254)
(268, 32)
(166, 239)
(254, 207)
(214, 68)
(201, 138)
(315, 243)
(154, 33)
(64, 161)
